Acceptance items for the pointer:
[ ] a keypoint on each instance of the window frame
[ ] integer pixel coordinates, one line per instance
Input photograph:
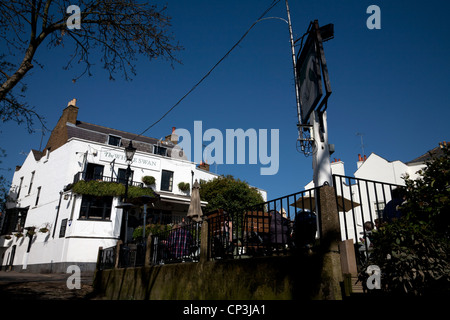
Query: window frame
(88, 203)
(38, 194)
(170, 182)
(119, 141)
(20, 188)
(157, 150)
(90, 173)
(121, 179)
(63, 228)
(31, 181)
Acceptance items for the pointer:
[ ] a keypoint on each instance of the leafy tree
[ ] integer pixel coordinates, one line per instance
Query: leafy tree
(116, 30)
(429, 196)
(229, 194)
(412, 252)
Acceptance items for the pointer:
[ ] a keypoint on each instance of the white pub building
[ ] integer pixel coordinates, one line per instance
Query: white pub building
(53, 221)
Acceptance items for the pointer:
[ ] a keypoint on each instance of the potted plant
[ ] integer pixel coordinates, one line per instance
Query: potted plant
(148, 180)
(45, 228)
(19, 234)
(31, 231)
(184, 186)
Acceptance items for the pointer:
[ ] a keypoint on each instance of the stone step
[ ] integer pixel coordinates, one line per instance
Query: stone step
(357, 286)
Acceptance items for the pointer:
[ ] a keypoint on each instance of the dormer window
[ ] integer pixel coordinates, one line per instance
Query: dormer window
(162, 151)
(114, 140)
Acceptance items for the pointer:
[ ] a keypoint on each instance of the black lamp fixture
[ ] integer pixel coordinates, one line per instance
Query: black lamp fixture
(129, 154)
(130, 151)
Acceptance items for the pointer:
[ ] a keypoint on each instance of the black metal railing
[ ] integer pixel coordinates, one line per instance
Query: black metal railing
(107, 258)
(132, 255)
(361, 205)
(273, 227)
(180, 243)
(172, 244)
(164, 219)
(89, 177)
(223, 231)
(281, 226)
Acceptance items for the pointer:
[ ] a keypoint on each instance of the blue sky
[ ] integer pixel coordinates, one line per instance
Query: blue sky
(391, 84)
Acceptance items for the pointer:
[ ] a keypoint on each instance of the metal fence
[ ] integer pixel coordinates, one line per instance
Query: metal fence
(178, 244)
(164, 219)
(361, 204)
(107, 258)
(273, 227)
(132, 255)
(82, 175)
(280, 226)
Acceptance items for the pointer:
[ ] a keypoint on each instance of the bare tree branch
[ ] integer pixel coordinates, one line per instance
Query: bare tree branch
(115, 32)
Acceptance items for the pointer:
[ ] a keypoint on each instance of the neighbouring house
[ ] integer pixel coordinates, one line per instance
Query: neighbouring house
(66, 199)
(370, 187)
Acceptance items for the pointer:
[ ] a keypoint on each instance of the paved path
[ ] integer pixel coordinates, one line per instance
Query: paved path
(43, 286)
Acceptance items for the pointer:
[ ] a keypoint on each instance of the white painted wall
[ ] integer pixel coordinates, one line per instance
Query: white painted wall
(379, 169)
(83, 237)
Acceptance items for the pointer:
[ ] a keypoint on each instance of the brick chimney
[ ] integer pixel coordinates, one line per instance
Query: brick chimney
(361, 160)
(172, 137)
(59, 135)
(71, 112)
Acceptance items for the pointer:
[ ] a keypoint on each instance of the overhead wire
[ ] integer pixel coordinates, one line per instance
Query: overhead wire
(274, 3)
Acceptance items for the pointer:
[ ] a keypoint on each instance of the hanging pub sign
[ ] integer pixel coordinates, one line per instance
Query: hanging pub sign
(311, 66)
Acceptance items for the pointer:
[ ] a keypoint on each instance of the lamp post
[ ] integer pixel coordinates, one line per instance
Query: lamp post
(129, 154)
(145, 200)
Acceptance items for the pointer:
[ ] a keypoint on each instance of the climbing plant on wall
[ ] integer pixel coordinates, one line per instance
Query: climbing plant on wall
(109, 189)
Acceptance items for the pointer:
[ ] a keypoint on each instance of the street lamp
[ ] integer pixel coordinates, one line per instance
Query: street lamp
(129, 154)
(130, 151)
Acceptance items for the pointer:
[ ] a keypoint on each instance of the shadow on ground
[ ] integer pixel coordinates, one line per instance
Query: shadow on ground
(20, 286)
(44, 291)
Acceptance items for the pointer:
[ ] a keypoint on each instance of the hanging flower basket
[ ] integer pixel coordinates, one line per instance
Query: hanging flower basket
(45, 228)
(31, 231)
(184, 186)
(148, 180)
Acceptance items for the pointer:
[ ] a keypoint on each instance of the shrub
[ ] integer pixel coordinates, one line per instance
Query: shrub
(151, 228)
(412, 252)
(412, 257)
(229, 194)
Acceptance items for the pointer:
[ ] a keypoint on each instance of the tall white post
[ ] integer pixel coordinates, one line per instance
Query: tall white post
(321, 151)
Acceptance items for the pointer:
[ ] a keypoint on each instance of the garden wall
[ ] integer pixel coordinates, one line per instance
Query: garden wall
(284, 277)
